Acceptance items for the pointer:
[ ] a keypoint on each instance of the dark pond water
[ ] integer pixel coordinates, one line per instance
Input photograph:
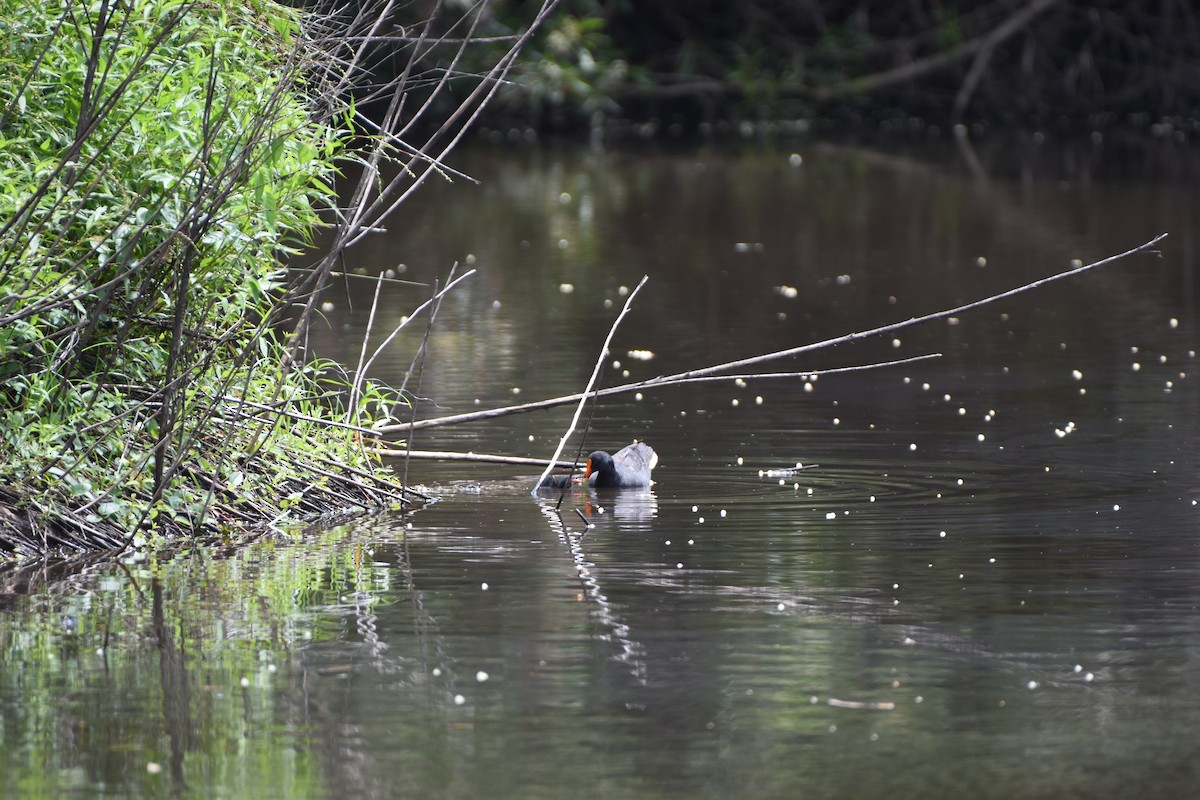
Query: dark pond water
(989, 587)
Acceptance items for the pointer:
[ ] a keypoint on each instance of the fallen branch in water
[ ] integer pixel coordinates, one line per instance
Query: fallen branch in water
(626, 388)
(706, 372)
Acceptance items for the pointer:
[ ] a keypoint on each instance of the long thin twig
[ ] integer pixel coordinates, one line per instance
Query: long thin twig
(626, 388)
(591, 381)
(449, 455)
(681, 377)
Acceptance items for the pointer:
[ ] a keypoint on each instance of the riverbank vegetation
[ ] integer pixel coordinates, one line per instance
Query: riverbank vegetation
(159, 158)
(682, 67)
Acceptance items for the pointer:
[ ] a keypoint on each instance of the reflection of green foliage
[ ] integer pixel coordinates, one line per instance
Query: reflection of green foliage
(96, 686)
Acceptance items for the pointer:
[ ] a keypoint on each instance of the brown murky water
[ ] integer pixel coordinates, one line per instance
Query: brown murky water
(988, 588)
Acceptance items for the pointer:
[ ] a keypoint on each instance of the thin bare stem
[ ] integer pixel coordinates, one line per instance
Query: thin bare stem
(591, 381)
(448, 455)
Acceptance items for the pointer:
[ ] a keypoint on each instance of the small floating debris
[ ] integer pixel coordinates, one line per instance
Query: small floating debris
(790, 292)
(640, 355)
(880, 706)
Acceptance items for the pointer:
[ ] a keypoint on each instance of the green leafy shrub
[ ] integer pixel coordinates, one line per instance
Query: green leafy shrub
(157, 157)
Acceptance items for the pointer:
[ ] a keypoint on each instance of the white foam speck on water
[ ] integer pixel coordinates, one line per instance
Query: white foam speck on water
(941, 534)
(695, 509)
(1135, 366)
(895, 342)
(459, 699)
(912, 446)
(700, 520)
(1032, 685)
(1076, 374)
(481, 676)
(795, 160)
(735, 402)
(1116, 506)
(723, 512)
(831, 515)
(981, 437)
(483, 587)
(566, 288)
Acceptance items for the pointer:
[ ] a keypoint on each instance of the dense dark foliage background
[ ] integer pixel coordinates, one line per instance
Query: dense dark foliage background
(1071, 64)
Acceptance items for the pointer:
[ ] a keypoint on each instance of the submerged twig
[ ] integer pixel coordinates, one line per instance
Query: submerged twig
(591, 381)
